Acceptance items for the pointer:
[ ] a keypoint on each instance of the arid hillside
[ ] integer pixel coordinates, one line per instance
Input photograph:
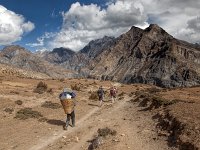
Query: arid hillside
(143, 117)
(20, 58)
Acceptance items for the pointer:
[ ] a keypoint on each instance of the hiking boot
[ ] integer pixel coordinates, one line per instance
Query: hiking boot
(65, 128)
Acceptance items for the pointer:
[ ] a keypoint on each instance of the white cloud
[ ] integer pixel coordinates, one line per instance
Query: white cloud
(83, 23)
(41, 40)
(12, 26)
(175, 17)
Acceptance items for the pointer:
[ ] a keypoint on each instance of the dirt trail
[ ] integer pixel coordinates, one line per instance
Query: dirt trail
(133, 130)
(80, 123)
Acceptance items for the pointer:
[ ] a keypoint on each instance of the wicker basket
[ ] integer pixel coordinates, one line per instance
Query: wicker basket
(68, 105)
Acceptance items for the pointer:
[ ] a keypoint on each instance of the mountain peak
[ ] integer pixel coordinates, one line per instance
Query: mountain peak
(63, 51)
(155, 28)
(13, 50)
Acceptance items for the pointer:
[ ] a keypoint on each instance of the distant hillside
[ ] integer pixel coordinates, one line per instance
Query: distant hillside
(9, 71)
(58, 55)
(21, 58)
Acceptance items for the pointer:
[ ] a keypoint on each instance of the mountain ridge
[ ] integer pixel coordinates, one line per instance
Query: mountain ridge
(150, 56)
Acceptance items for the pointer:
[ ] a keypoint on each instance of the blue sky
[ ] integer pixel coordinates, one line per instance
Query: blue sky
(46, 24)
(45, 14)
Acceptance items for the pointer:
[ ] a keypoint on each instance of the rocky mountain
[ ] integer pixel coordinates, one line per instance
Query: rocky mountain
(80, 61)
(58, 55)
(150, 56)
(21, 58)
(96, 47)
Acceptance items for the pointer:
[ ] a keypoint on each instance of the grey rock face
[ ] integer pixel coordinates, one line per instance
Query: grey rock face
(59, 55)
(150, 56)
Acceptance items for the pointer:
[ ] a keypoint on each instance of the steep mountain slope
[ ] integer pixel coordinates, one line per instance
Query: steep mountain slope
(81, 61)
(149, 56)
(19, 57)
(58, 55)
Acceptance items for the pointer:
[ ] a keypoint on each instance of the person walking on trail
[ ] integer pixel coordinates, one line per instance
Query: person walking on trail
(101, 93)
(113, 93)
(67, 98)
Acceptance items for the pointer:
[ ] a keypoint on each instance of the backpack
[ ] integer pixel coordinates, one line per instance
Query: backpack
(64, 96)
(113, 91)
(73, 95)
(100, 92)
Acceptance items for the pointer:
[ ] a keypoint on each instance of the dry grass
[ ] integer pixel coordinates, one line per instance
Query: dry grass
(18, 102)
(93, 95)
(97, 141)
(49, 104)
(9, 110)
(41, 87)
(50, 91)
(14, 92)
(27, 113)
(76, 87)
(62, 80)
(106, 131)
(121, 94)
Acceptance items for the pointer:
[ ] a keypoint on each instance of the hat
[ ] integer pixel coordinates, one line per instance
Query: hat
(67, 90)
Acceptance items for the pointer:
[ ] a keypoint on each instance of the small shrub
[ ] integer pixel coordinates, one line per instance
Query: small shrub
(62, 79)
(50, 91)
(49, 104)
(142, 94)
(121, 98)
(134, 100)
(97, 141)
(26, 113)
(106, 131)
(14, 92)
(153, 90)
(41, 87)
(94, 83)
(165, 102)
(94, 96)
(121, 94)
(18, 102)
(76, 87)
(9, 110)
(131, 94)
(43, 119)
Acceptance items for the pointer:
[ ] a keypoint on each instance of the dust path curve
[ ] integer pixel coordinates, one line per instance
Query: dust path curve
(45, 141)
